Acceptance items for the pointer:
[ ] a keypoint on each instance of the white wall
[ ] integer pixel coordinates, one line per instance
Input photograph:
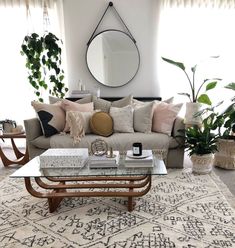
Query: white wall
(140, 16)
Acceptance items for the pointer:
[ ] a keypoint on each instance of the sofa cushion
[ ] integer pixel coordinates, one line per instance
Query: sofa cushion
(51, 117)
(143, 118)
(105, 105)
(122, 119)
(78, 124)
(101, 123)
(85, 99)
(163, 117)
(42, 142)
(74, 106)
(118, 141)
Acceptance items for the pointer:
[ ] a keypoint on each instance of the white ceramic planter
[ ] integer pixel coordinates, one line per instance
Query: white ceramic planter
(191, 109)
(225, 157)
(202, 164)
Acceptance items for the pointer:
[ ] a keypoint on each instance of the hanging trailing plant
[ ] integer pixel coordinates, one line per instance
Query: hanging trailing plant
(43, 62)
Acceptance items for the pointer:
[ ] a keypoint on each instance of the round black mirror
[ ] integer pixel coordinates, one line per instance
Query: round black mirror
(113, 58)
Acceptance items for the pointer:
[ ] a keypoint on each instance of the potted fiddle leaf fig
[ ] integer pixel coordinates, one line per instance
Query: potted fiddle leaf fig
(196, 99)
(43, 62)
(201, 143)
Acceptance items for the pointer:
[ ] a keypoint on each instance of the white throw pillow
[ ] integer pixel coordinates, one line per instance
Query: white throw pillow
(143, 118)
(122, 119)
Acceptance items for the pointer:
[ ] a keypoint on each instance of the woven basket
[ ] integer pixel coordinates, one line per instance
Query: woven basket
(202, 164)
(225, 157)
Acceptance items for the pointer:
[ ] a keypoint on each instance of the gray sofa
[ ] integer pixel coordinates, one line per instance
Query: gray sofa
(37, 143)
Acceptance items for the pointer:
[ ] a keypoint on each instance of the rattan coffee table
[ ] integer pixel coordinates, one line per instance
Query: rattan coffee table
(56, 184)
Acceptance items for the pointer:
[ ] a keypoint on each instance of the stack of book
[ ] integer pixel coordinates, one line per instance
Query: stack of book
(104, 161)
(80, 93)
(145, 160)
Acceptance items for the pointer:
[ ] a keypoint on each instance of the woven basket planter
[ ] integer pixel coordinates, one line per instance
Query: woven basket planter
(225, 157)
(202, 164)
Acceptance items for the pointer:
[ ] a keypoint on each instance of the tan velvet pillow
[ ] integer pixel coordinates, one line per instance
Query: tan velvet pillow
(164, 116)
(101, 123)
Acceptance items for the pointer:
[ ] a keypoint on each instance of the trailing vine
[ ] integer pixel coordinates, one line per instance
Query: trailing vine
(43, 62)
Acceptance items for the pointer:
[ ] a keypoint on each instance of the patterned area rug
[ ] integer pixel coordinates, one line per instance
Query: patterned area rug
(181, 210)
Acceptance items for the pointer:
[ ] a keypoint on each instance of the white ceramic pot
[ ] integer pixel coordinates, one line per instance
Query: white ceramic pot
(225, 157)
(202, 164)
(191, 109)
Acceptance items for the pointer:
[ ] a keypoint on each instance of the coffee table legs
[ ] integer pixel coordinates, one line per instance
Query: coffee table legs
(128, 186)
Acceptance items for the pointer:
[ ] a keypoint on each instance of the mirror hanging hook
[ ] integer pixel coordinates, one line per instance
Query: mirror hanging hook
(111, 5)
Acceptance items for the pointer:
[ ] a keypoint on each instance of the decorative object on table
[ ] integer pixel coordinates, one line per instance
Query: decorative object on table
(137, 149)
(64, 158)
(7, 125)
(201, 143)
(195, 99)
(110, 153)
(104, 161)
(144, 160)
(99, 147)
(43, 62)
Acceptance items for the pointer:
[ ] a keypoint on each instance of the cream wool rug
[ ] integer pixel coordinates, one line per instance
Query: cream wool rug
(181, 210)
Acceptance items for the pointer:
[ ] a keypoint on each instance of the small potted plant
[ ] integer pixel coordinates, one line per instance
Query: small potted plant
(201, 143)
(196, 99)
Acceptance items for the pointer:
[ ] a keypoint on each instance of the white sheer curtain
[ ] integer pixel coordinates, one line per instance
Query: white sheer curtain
(191, 32)
(17, 19)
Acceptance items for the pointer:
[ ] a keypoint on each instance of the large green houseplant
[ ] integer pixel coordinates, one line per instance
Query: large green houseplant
(196, 99)
(43, 62)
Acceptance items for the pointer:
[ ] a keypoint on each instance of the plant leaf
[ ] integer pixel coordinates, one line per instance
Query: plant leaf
(204, 99)
(230, 86)
(211, 85)
(178, 64)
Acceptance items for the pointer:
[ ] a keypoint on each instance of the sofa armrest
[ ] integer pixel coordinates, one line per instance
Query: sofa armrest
(32, 129)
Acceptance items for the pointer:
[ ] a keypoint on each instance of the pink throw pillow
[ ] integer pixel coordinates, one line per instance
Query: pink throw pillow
(73, 106)
(164, 115)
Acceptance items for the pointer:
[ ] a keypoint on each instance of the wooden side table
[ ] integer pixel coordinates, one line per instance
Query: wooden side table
(22, 158)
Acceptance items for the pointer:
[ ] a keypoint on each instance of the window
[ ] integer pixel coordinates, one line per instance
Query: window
(191, 34)
(16, 93)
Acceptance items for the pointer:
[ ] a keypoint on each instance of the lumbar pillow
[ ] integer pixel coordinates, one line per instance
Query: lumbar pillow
(85, 99)
(164, 116)
(73, 106)
(122, 119)
(143, 118)
(51, 116)
(101, 123)
(105, 105)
